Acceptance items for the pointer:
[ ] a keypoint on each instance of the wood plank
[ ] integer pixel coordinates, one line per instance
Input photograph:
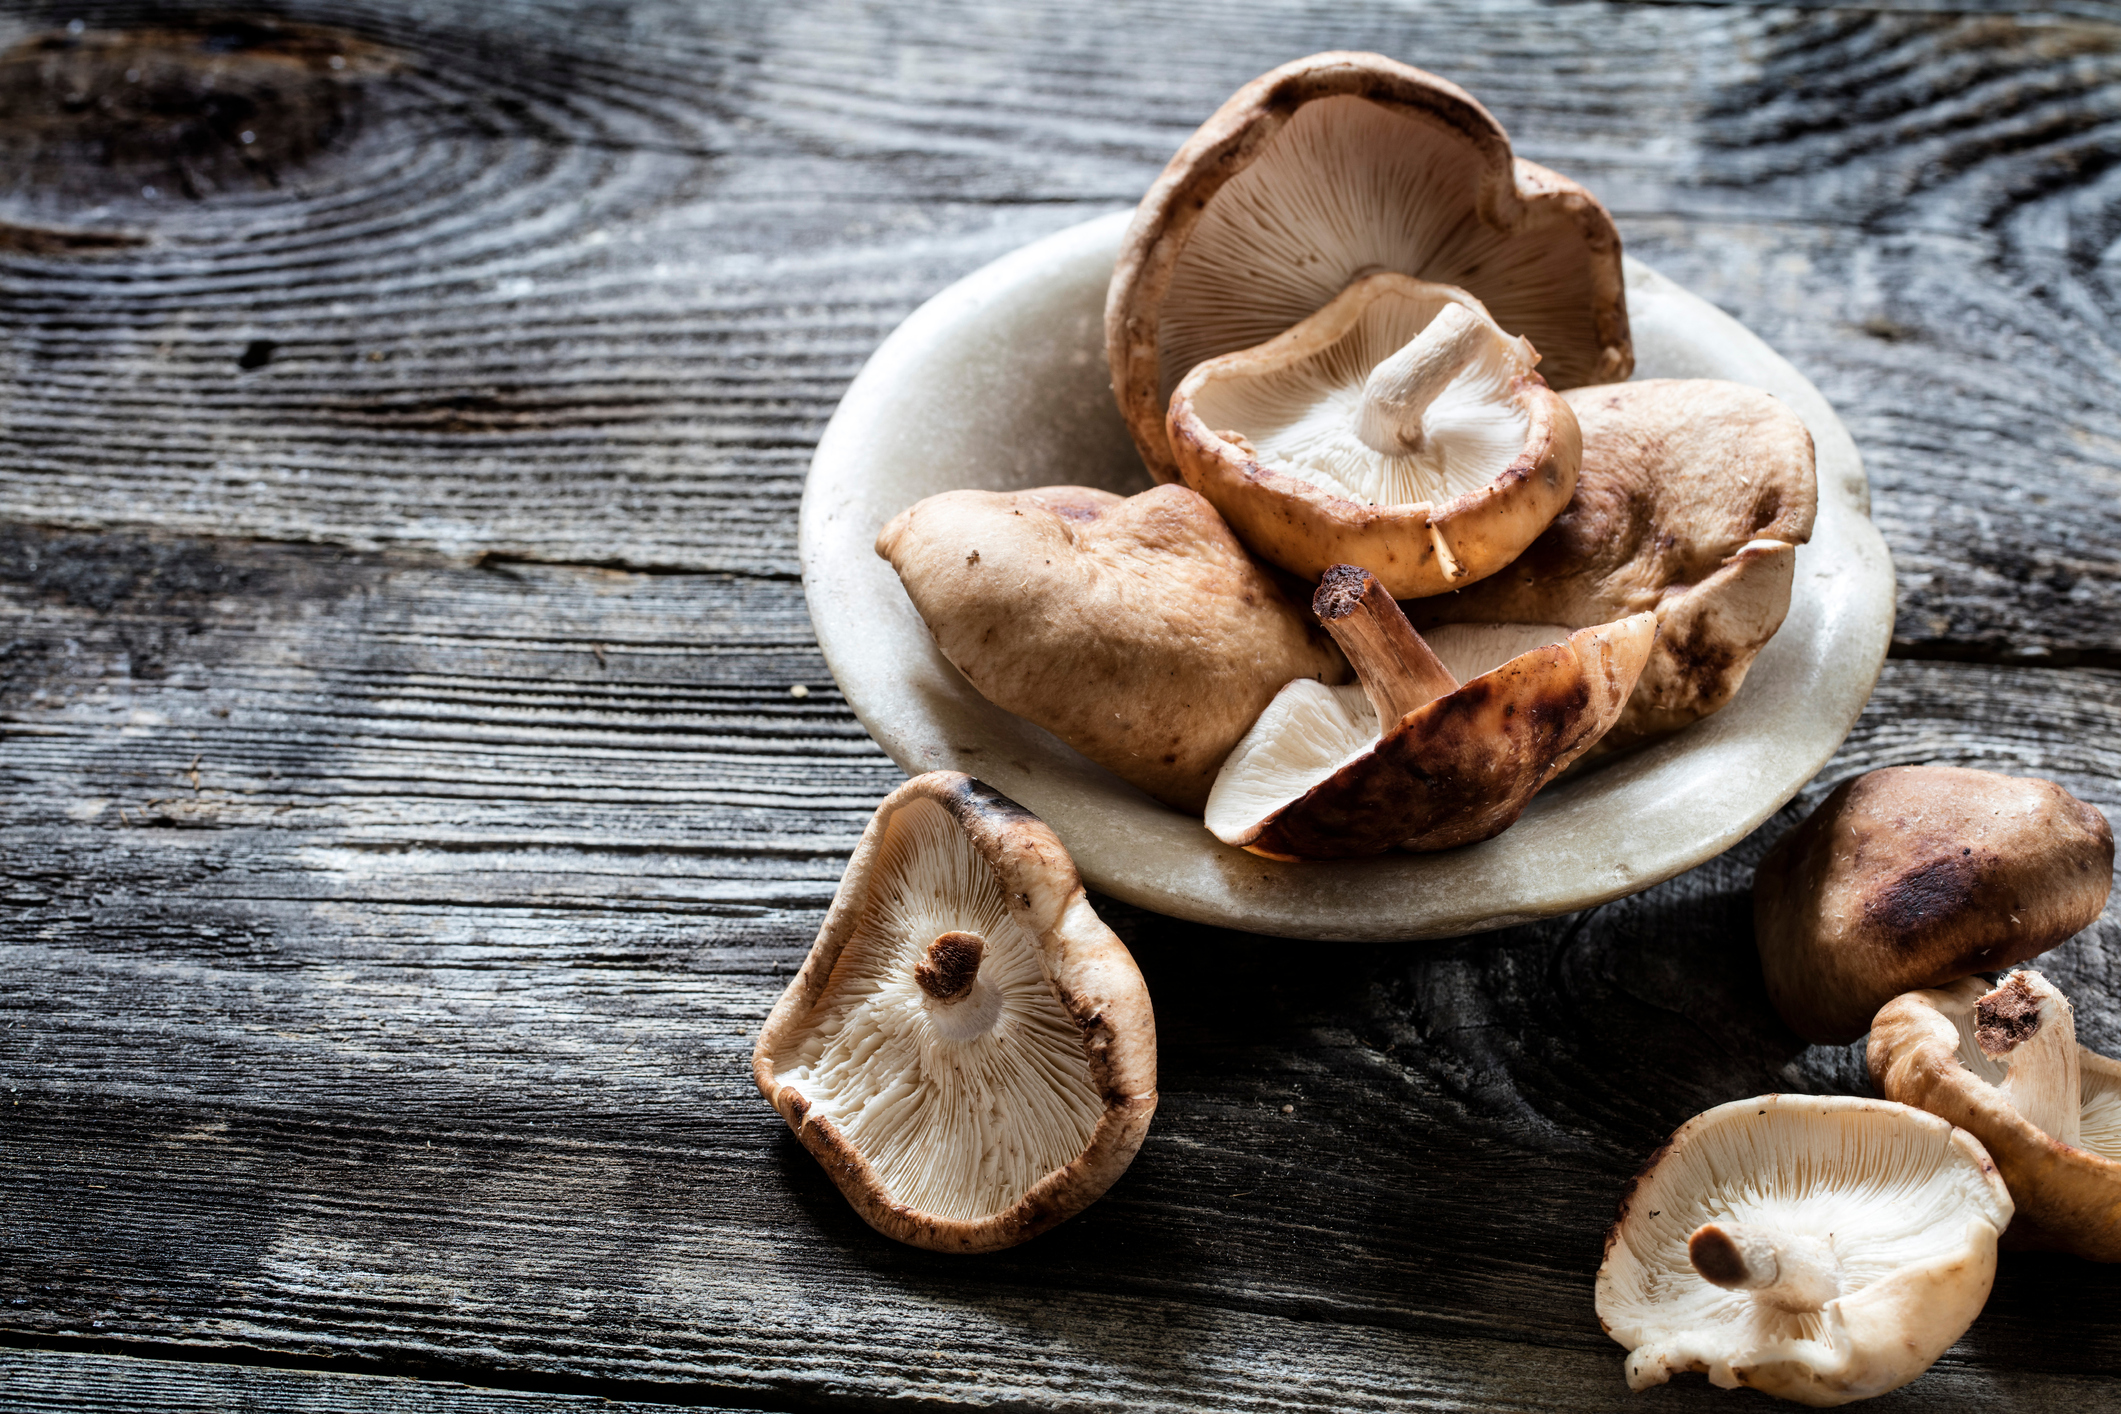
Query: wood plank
(60, 1382)
(588, 293)
(432, 1049)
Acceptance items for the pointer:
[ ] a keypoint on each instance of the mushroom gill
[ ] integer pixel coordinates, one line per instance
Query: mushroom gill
(960, 1105)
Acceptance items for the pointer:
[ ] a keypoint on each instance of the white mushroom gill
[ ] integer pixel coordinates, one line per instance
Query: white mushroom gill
(1861, 1192)
(1414, 403)
(960, 1106)
(1307, 732)
(1345, 188)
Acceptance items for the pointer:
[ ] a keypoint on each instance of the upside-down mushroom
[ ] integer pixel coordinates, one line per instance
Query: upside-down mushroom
(1411, 759)
(968, 1050)
(1914, 876)
(1691, 500)
(1818, 1248)
(1399, 428)
(1327, 169)
(1136, 629)
(2005, 1065)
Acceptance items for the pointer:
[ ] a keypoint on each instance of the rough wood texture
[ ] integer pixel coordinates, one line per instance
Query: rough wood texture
(408, 818)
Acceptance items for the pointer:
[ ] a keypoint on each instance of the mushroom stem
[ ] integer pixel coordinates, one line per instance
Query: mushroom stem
(1783, 1269)
(950, 965)
(1399, 672)
(2029, 1026)
(1399, 390)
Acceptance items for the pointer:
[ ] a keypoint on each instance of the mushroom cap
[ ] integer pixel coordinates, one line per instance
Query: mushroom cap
(1328, 168)
(977, 1122)
(1314, 779)
(1909, 1207)
(1912, 876)
(1136, 629)
(1300, 486)
(1923, 1053)
(1691, 499)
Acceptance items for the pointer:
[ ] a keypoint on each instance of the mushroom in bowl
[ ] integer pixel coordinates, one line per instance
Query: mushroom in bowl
(1330, 168)
(968, 1050)
(1691, 500)
(1136, 629)
(1399, 428)
(1412, 759)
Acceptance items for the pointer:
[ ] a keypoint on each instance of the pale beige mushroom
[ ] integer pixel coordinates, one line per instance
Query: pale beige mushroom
(1135, 629)
(1411, 759)
(1691, 500)
(968, 1050)
(1399, 428)
(1330, 168)
(1914, 876)
(1818, 1248)
(2005, 1065)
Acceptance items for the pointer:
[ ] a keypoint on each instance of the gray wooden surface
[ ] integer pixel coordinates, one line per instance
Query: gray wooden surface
(406, 819)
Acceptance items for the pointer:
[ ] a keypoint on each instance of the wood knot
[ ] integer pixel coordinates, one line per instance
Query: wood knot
(177, 110)
(950, 966)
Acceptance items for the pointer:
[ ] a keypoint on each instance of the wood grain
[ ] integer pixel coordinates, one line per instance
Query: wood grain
(588, 292)
(409, 815)
(442, 1031)
(60, 1383)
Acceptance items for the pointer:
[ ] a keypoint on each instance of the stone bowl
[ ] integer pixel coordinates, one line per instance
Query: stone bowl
(1000, 382)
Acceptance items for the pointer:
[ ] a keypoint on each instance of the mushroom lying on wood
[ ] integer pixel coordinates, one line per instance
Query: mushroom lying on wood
(1399, 428)
(1330, 168)
(1411, 759)
(1690, 501)
(1914, 876)
(967, 1049)
(2005, 1065)
(1135, 629)
(1821, 1249)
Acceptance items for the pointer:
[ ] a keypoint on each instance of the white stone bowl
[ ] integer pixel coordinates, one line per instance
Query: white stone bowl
(1000, 382)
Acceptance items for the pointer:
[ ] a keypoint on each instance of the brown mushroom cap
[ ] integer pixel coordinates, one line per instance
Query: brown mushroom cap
(1326, 169)
(1135, 629)
(1691, 499)
(1317, 777)
(1914, 876)
(1924, 1052)
(1302, 480)
(968, 1050)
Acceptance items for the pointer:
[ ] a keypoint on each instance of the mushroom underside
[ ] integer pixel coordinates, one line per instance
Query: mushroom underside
(1890, 1211)
(1346, 187)
(961, 1105)
(1305, 417)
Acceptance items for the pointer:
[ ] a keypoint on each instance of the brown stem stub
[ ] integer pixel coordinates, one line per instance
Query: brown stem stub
(1397, 669)
(950, 966)
(1716, 1257)
(2007, 1018)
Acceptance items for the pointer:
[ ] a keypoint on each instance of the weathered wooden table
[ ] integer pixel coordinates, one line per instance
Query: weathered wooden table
(408, 815)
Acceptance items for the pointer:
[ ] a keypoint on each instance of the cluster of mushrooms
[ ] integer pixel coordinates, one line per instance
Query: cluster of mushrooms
(1828, 1248)
(1337, 330)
